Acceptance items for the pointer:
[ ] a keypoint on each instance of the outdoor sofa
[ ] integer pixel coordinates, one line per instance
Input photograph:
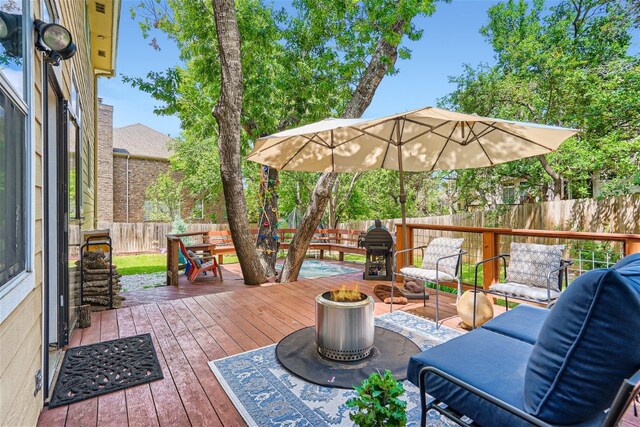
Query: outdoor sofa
(535, 366)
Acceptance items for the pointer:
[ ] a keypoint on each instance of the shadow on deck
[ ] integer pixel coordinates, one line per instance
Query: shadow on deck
(192, 324)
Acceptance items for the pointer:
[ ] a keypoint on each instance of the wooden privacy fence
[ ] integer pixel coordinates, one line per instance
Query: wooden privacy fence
(612, 215)
(144, 236)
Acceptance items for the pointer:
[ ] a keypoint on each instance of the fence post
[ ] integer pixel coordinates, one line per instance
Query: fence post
(490, 248)
(172, 261)
(631, 246)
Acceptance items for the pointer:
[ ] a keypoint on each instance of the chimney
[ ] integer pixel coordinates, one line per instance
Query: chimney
(104, 176)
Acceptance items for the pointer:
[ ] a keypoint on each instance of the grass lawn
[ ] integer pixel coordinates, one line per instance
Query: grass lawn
(140, 264)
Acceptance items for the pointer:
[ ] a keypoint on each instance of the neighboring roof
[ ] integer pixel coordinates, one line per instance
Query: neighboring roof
(141, 140)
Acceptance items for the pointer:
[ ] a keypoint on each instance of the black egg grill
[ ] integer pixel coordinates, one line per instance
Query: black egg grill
(378, 243)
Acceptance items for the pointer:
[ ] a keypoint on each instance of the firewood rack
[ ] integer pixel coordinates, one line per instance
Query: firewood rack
(97, 241)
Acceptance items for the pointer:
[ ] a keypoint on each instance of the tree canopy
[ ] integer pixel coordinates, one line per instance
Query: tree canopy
(566, 65)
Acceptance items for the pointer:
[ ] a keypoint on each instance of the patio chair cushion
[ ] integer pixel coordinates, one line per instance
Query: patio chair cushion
(427, 275)
(626, 260)
(195, 258)
(530, 264)
(438, 248)
(524, 291)
(522, 323)
(587, 346)
(492, 362)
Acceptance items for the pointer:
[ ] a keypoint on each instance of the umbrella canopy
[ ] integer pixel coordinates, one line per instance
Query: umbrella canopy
(425, 139)
(420, 140)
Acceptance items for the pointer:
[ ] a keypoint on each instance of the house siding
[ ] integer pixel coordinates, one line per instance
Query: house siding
(21, 334)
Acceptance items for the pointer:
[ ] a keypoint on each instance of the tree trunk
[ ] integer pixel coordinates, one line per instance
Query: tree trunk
(227, 113)
(382, 60)
(341, 207)
(267, 242)
(557, 179)
(333, 204)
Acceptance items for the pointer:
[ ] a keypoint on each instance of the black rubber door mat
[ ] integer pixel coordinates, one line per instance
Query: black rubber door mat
(96, 369)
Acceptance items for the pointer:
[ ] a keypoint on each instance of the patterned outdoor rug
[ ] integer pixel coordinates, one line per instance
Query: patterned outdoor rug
(266, 394)
(96, 369)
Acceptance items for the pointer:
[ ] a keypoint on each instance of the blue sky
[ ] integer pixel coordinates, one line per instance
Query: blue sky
(451, 38)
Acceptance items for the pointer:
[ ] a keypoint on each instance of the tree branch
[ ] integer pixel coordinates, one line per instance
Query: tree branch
(382, 61)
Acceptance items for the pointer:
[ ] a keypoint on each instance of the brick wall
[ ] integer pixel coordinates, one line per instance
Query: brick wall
(105, 162)
(112, 181)
(142, 173)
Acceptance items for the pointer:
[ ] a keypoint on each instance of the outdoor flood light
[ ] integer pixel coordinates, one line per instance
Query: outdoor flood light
(55, 41)
(11, 34)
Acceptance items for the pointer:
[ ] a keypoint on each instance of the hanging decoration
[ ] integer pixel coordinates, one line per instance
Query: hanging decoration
(268, 191)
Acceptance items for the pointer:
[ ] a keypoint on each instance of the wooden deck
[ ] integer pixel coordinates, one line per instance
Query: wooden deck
(191, 325)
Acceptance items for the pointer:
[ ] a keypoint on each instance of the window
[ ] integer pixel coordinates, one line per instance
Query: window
(13, 143)
(509, 195)
(198, 209)
(12, 190)
(159, 211)
(11, 45)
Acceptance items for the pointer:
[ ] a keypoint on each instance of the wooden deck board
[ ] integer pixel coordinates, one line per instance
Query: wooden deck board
(193, 324)
(85, 413)
(112, 407)
(138, 400)
(168, 406)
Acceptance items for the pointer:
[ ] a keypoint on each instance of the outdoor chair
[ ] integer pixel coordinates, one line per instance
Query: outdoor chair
(577, 364)
(535, 274)
(199, 264)
(441, 262)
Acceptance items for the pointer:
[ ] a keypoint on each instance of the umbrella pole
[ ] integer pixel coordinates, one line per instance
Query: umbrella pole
(403, 196)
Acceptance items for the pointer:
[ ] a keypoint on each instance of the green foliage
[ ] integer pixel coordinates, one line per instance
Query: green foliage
(163, 198)
(594, 254)
(140, 264)
(378, 402)
(300, 65)
(565, 65)
(178, 226)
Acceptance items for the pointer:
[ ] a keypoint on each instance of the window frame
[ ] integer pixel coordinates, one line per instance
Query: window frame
(195, 206)
(16, 290)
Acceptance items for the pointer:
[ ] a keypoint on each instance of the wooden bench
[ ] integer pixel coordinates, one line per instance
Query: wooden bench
(220, 243)
(328, 239)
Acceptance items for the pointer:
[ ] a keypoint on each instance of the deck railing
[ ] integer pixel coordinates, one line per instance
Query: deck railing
(586, 250)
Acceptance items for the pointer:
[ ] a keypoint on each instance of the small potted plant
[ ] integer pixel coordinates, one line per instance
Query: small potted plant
(378, 402)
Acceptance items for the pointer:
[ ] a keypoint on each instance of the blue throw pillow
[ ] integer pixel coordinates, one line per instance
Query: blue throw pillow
(587, 346)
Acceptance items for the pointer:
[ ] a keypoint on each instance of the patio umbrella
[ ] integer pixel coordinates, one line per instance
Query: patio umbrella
(425, 139)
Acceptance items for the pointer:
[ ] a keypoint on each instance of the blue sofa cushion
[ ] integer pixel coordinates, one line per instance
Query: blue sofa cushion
(523, 323)
(489, 361)
(626, 260)
(587, 346)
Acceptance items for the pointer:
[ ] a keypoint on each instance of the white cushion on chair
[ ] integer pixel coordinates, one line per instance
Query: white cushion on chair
(207, 264)
(428, 275)
(438, 248)
(524, 291)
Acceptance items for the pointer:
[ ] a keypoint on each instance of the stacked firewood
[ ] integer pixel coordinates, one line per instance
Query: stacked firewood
(96, 281)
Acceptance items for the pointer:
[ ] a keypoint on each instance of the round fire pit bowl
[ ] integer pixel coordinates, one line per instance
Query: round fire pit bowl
(344, 329)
